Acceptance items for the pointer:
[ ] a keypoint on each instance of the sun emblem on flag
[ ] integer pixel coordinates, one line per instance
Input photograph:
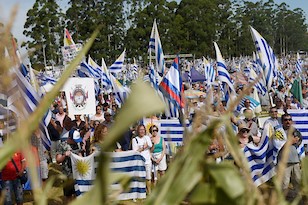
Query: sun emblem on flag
(148, 125)
(82, 167)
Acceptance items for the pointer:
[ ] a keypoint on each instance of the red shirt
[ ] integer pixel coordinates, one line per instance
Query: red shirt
(9, 171)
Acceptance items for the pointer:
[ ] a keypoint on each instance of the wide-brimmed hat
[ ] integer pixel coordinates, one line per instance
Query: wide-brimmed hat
(243, 126)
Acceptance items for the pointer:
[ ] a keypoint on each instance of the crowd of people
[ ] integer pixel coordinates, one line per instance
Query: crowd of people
(83, 135)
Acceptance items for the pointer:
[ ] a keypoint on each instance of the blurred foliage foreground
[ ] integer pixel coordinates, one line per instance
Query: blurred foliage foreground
(192, 177)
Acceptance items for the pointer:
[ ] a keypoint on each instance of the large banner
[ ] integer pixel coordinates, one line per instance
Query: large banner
(130, 163)
(80, 96)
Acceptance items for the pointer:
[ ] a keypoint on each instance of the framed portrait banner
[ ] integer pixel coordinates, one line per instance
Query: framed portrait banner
(80, 96)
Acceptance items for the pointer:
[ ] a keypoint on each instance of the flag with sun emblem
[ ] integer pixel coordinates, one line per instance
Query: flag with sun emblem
(83, 172)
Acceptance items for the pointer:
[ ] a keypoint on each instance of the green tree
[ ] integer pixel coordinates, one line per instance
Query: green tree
(138, 35)
(44, 28)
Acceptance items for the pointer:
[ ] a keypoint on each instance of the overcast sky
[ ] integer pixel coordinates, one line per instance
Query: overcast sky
(25, 5)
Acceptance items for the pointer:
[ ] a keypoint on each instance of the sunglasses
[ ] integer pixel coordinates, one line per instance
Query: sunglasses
(287, 119)
(155, 130)
(244, 130)
(274, 111)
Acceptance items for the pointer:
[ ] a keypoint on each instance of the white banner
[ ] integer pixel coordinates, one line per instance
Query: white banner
(80, 96)
(70, 52)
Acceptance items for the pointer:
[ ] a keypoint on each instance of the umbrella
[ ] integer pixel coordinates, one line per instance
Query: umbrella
(193, 93)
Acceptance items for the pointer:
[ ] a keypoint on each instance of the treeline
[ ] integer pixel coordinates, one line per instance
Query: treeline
(187, 26)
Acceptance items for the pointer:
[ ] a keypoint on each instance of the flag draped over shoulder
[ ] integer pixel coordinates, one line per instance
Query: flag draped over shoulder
(262, 159)
(267, 57)
(156, 46)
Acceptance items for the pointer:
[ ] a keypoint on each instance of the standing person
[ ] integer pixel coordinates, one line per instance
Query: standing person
(36, 140)
(54, 130)
(10, 179)
(99, 116)
(273, 120)
(72, 144)
(60, 115)
(108, 119)
(293, 161)
(100, 134)
(159, 153)
(250, 123)
(142, 143)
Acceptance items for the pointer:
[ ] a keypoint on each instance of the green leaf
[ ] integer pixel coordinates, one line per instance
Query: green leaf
(227, 177)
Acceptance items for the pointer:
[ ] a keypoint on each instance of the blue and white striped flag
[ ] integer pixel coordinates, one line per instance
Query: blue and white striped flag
(267, 57)
(259, 85)
(209, 72)
(253, 103)
(298, 65)
(281, 78)
(300, 120)
(89, 70)
(106, 82)
(117, 66)
(223, 74)
(129, 162)
(189, 77)
(23, 99)
(156, 46)
(171, 130)
(120, 92)
(44, 79)
(95, 66)
(154, 77)
(262, 159)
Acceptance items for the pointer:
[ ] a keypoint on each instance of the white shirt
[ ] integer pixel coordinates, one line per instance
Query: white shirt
(140, 142)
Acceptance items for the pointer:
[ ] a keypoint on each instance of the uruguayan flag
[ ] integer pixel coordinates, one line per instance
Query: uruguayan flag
(298, 65)
(171, 130)
(262, 159)
(120, 92)
(44, 79)
(23, 99)
(116, 67)
(223, 74)
(106, 82)
(129, 162)
(267, 57)
(300, 120)
(281, 78)
(253, 103)
(155, 45)
(83, 172)
(209, 72)
(259, 85)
